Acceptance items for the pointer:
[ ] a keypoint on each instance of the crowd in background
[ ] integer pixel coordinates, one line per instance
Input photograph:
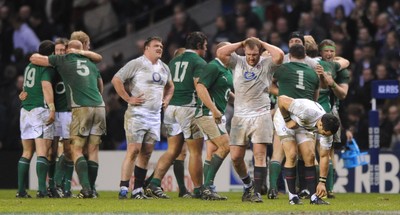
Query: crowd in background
(365, 32)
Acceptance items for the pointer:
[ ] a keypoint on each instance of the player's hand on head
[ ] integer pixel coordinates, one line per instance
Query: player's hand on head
(23, 95)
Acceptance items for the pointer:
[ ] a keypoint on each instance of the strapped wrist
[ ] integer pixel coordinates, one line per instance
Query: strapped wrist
(52, 107)
(287, 118)
(333, 86)
(322, 179)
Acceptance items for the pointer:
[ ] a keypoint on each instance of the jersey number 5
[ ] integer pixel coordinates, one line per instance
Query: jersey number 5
(178, 65)
(81, 68)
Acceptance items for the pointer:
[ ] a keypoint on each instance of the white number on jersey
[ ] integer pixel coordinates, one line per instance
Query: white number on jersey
(81, 68)
(178, 65)
(29, 79)
(300, 84)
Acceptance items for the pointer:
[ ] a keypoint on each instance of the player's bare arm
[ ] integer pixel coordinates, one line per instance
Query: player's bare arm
(39, 60)
(93, 56)
(100, 85)
(344, 63)
(119, 87)
(203, 94)
(275, 52)
(168, 93)
(323, 172)
(224, 53)
(47, 89)
(283, 105)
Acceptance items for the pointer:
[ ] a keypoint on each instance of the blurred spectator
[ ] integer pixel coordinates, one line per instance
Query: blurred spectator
(243, 9)
(391, 45)
(24, 13)
(331, 5)
(385, 130)
(364, 37)
(276, 40)
(266, 30)
(358, 124)
(251, 32)
(320, 17)
(370, 17)
(383, 28)
(394, 14)
(381, 72)
(292, 11)
(395, 145)
(42, 29)
(393, 64)
(182, 25)
(308, 27)
(118, 62)
(24, 37)
(6, 37)
(393, 113)
(239, 33)
(222, 34)
(281, 26)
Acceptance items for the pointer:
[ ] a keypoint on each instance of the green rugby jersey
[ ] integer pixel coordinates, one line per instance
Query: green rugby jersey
(297, 80)
(33, 77)
(184, 69)
(80, 78)
(60, 95)
(324, 94)
(219, 82)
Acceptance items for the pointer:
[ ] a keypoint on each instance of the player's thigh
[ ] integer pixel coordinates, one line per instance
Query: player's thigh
(33, 124)
(261, 128)
(210, 128)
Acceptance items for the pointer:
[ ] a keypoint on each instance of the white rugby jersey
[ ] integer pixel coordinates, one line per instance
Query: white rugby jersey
(146, 78)
(311, 62)
(251, 85)
(306, 114)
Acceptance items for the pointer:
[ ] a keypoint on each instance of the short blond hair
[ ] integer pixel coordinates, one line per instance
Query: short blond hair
(81, 36)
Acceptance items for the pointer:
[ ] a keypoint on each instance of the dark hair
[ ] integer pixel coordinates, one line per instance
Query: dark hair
(46, 47)
(61, 40)
(297, 51)
(297, 34)
(330, 123)
(195, 40)
(149, 39)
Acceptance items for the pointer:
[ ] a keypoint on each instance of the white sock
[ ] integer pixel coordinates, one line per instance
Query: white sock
(137, 190)
(292, 195)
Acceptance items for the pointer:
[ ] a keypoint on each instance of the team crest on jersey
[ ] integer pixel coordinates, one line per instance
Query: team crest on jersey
(249, 75)
(156, 77)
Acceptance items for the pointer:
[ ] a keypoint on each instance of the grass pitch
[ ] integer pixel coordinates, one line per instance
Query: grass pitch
(108, 203)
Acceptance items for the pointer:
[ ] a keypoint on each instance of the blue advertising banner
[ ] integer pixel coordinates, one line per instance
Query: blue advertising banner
(386, 89)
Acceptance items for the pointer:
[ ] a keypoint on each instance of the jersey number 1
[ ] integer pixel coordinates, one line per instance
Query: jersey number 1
(300, 84)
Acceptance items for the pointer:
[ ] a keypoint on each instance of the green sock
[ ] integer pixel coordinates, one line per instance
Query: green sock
(23, 170)
(275, 169)
(156, 182)
(329, 179)
(81, 167)
(69, 171)
(179, 171)
(93, 168)
(60, 169)
(42, 167)
(197, 191)
(206, 167)
(51, 173)
(215, 163)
